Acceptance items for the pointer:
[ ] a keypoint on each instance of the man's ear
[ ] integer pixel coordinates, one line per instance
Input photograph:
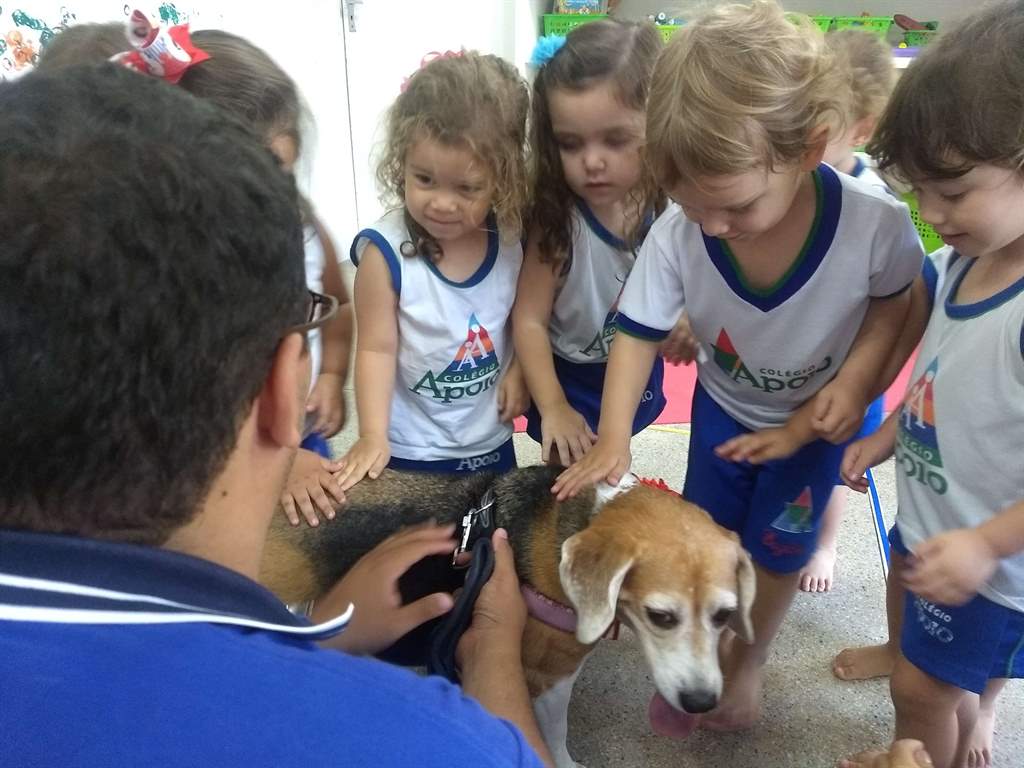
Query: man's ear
(281, 402)
(591, 574)
(817, 143)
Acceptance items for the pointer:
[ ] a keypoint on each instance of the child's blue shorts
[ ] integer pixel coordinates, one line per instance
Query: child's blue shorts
(965, 645)
(501, 459)
(317, 443)
(583, 384)
(776, 507)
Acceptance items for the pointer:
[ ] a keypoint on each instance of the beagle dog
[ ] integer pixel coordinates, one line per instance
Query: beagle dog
(633, 553)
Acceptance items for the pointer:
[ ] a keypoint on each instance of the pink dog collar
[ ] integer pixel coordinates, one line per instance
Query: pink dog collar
(556, 615)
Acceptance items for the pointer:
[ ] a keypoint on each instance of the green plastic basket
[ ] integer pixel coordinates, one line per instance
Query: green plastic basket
(667, 30)
(931, 239)
(824, 23)
(562, 23)
(878, 24)
(915, 38)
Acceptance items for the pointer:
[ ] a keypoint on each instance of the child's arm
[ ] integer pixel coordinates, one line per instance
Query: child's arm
(629, 366)
(782, 442)
(950, 568)
(839, 406)
(376, 360)
(868, 452)
(513, 396)
(561, 425)
(328, 397)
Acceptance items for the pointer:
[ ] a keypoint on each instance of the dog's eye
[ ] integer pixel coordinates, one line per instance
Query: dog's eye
(722, 617)
(662, 619)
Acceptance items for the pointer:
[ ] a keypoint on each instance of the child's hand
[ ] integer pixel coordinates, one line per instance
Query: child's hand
(513, 396)
(327, 401)
(368, 456)
(371, 585)
(564, 429)
(761, 446)
(860, 456)
(951, 567)
(605, 461)
(312, 492)
(838, 412)
(681, 345)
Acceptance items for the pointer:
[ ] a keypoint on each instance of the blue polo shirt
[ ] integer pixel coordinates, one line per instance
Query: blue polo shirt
(114, 654)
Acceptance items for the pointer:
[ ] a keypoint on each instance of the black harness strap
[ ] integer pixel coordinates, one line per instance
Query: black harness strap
(477, 528)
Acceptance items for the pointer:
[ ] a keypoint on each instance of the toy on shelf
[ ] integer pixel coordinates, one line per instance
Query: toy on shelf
(584, 7)
(915, 33)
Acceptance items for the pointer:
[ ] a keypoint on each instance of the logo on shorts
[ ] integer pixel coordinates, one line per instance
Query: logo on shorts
(766, 379)
(474, 369)
(796, 515)
(933, 620)
(917, 447)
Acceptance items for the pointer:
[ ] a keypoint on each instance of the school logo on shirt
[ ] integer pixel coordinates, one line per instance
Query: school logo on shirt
(766, 379)
(917, 446)
(600, 346)
(473, 370)
(796, 515)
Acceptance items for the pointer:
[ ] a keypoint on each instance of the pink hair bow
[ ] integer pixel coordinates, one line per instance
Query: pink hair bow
(429, 57)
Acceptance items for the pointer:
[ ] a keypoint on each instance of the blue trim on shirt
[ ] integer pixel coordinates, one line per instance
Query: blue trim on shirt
(144, 574)
(598, 228)
(966, 311)
(930, 275)
(485, 266)
(639, 330)
(832, 204)
(896, 292)
(859, 166)
(386, 250)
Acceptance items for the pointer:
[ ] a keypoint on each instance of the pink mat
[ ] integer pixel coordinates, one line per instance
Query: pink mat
(680, 380)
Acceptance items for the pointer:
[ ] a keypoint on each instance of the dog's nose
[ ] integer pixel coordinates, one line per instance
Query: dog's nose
(697, 702)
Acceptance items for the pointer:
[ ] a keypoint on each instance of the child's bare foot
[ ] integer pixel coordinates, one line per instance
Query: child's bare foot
(819, 573)
(740, 705)
(864, 663)
(979, 751)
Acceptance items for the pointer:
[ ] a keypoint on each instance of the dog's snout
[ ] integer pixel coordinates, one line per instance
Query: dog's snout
(697, 702)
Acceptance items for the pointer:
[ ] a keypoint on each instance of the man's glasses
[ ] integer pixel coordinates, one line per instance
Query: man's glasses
(321, 309)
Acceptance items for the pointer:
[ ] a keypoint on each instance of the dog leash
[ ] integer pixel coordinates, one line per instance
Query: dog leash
(478, 526)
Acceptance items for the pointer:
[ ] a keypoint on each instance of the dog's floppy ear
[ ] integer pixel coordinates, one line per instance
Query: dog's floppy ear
(746, 586)
(591, 573)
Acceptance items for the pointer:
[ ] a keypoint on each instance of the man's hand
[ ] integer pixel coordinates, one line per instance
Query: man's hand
(371, 586)
(950, 568)
(499, 615)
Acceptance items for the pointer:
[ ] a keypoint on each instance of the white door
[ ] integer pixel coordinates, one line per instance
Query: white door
(385, 41)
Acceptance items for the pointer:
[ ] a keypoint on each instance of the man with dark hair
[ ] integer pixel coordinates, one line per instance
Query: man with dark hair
(153, 370)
